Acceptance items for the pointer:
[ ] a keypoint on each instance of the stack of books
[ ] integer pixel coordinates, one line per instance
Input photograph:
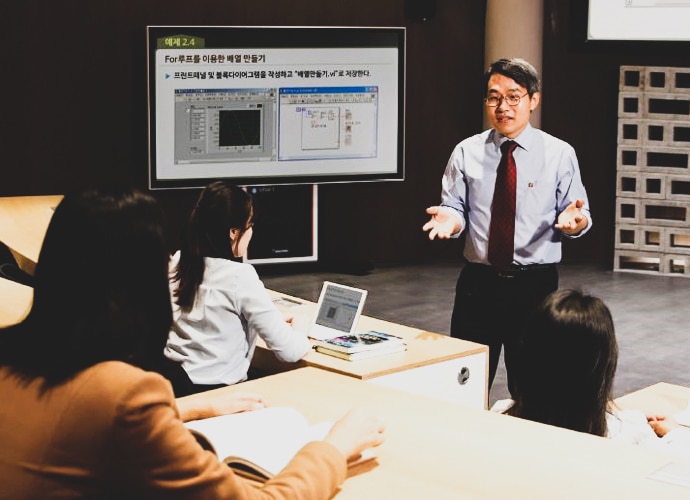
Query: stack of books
(360, 345)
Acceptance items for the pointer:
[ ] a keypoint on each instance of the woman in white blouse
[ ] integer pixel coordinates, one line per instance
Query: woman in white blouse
(220, 305)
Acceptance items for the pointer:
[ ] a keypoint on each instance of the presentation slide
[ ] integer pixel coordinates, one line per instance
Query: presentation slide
(274, 113)
(639, 20)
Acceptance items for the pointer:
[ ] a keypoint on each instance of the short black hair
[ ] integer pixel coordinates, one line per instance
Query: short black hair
(519, 70)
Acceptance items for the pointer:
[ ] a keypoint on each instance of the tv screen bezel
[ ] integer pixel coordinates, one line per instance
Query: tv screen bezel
(259, 37)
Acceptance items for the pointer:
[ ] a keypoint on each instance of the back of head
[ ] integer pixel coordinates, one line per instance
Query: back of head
(101, 288)
(521, 71)
(569, 362)
(220, 207)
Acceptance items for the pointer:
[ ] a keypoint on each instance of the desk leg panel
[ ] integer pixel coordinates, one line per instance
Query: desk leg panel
(462, 380)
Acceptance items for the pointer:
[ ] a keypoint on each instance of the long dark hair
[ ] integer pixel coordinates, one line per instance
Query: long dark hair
(100, 292)
(221, 207)
(566, 372)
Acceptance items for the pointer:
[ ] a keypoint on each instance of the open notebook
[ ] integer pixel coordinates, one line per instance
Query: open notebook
(337, 311)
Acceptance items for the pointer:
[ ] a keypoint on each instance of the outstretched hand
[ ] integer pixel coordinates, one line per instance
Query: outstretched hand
(237, 402)
(443, 223)
(356, 431)
(661, 424)
(572, 220)
(218, 402)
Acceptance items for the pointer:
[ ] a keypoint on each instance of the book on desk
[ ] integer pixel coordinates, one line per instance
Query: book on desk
(360, 345)
(258, 444)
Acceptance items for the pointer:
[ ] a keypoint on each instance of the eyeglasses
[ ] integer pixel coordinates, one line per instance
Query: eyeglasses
(511, 99)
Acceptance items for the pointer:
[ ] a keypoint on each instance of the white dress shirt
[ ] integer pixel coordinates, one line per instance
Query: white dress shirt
(215, 340)
(548, 180)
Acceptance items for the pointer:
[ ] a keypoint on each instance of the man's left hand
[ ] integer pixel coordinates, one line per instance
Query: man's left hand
(572, 220)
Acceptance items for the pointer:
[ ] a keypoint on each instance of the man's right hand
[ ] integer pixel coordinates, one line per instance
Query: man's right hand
(443, 223)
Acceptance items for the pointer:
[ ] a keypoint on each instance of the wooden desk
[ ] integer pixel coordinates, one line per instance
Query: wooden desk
(433, 365)
(439, 450)
(657, 399)
(15, 300)
(23, 224)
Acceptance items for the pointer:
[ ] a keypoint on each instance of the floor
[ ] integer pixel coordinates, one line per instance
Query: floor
(651, 312)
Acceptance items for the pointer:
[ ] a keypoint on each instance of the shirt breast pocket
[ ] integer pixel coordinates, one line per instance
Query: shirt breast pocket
(539, 200)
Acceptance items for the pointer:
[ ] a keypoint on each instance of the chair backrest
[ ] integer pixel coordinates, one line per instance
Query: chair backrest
(9, 268)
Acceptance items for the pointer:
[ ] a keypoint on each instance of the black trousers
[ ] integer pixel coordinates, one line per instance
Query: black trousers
(491, 308)
(182, 384)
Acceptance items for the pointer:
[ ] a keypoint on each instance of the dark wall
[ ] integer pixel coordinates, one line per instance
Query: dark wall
(74, 107)
(580, 105)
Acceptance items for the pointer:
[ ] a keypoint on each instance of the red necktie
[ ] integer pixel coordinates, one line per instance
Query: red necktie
(502, 230)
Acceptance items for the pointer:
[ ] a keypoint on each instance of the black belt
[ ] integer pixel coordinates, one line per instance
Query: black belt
(515, 270)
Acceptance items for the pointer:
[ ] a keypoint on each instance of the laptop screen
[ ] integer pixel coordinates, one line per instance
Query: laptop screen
(339, 307)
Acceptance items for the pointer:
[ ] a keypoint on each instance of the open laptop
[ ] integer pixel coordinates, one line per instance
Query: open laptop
(337, 311)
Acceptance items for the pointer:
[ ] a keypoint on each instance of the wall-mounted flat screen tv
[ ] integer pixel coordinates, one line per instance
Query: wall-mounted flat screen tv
(275, 105)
